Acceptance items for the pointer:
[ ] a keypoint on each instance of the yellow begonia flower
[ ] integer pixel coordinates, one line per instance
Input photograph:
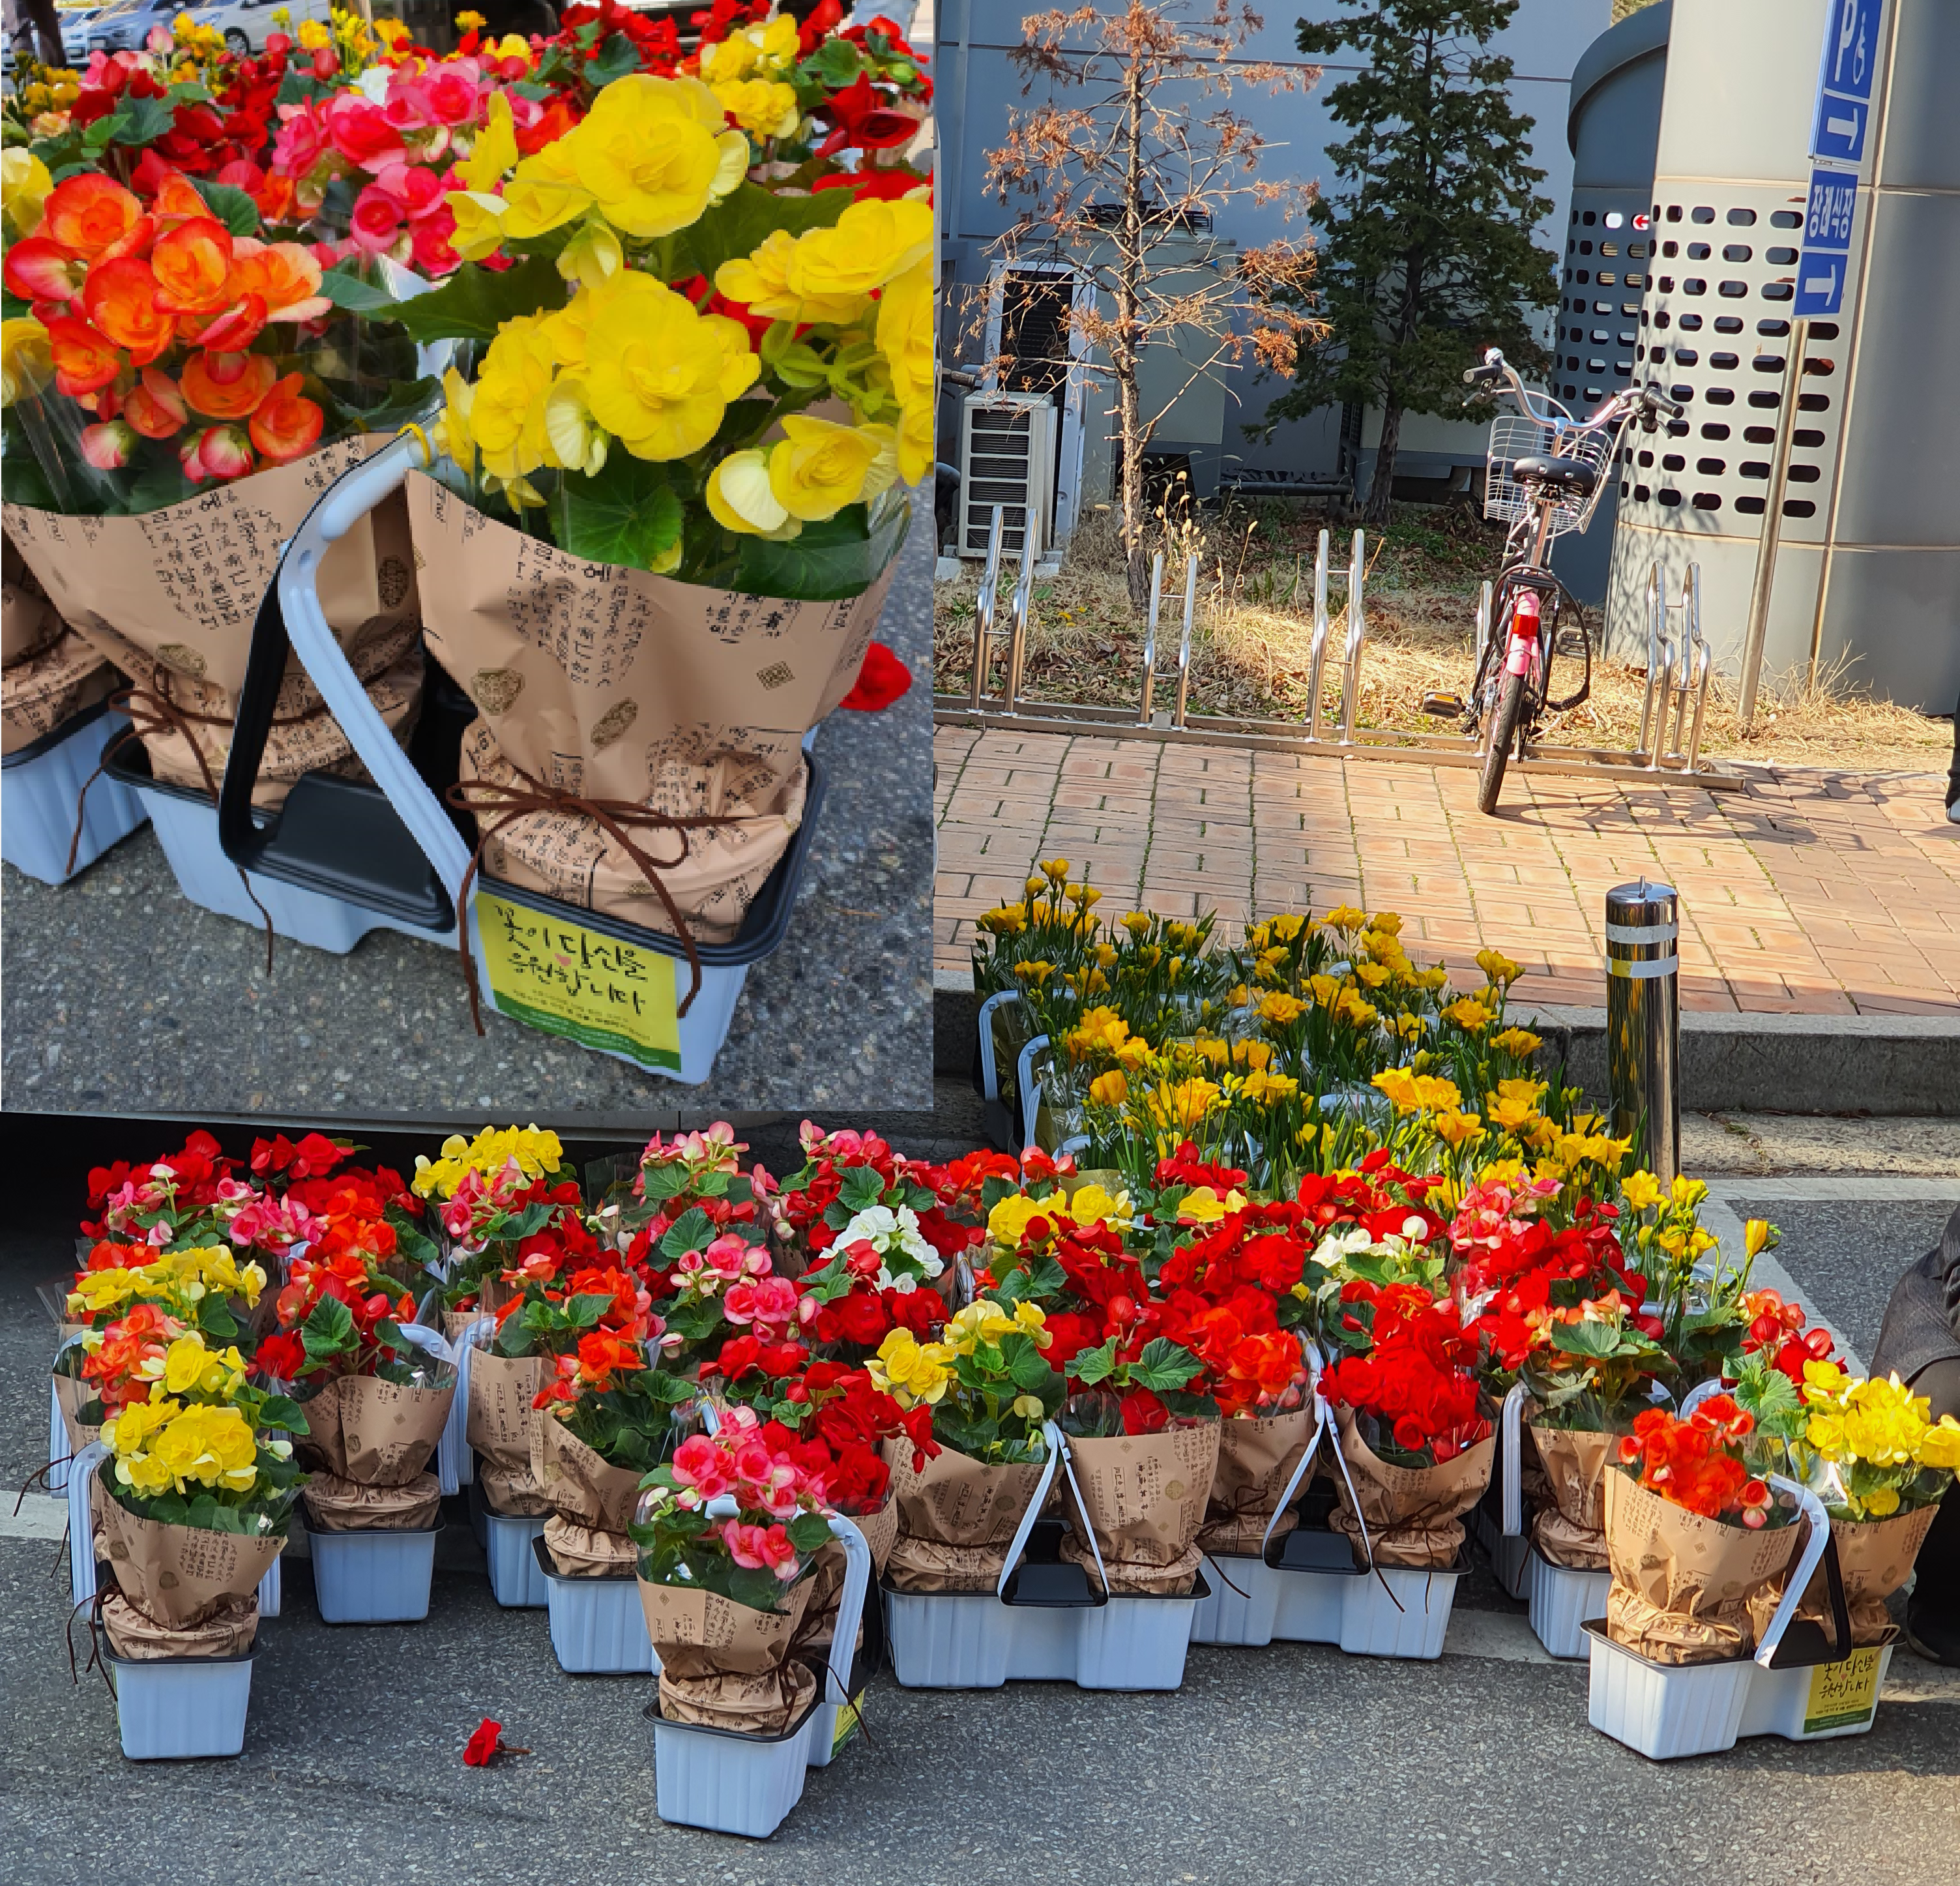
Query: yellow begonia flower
(545, 191)
(453, 436)
(27, 362)
(480, 223)
(660, 375)
(1008, 1223)
(654, 153)
(766, 107)
(1201, 1205)
(906, 333)
(1940, 1445)
(494, 152)
(515, 45)
(313, 35)
(592, 257)
(24, 184)
(507, 407)
(1091, 1205)
(739, 498)
(820, 467)
(761, 282)
(916, 440)
(577, 444)
(911, 1372)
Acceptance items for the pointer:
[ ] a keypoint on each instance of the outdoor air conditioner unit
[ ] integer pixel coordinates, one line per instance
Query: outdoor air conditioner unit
(1007, 457)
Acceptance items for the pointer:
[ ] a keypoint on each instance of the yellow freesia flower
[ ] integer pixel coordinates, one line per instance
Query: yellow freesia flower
(1641, 1190)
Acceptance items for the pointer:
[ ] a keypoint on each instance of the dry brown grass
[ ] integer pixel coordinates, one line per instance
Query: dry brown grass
(1252, 644)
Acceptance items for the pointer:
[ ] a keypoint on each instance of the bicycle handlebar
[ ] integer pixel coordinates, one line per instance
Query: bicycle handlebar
(1477, 376)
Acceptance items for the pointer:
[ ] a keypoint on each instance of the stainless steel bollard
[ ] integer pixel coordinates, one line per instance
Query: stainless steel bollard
(1643, 1021)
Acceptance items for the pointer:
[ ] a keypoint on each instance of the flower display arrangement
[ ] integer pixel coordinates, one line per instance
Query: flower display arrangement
(490, 1193)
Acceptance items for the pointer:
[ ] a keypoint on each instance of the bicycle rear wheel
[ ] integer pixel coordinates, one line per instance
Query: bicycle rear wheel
(1503, 732)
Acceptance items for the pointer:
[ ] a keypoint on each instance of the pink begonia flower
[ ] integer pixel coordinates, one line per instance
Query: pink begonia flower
(449, 94)
(361, 133)
(376, 221)
(220, 451)
(433, 252)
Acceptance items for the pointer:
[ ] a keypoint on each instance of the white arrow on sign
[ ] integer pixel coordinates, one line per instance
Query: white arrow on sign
(1844, 127)
(1823, 285)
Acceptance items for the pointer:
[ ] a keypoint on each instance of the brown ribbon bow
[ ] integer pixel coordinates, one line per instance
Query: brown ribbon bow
(495, 805)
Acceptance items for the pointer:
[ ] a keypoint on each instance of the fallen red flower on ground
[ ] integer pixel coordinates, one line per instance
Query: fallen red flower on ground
(881, 679)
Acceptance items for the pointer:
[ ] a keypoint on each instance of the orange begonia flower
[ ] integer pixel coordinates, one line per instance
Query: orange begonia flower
(177, 201)
(219, 451)
(84, 359)
(94, 217)
(39, 270)
(233, 331)
(121, 299)
(287, 424)
(193, 267)
(285, 273)
(154, 407)
(227, 386)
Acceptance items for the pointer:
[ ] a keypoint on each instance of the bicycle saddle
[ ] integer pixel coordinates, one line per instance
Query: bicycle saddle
(1570, 474)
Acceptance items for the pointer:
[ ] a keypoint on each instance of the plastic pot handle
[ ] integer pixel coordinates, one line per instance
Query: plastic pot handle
(58, 1448)
(1341, 1461)
(473, 1337)
(990, 1072)
(851, 1605)
(1299, 1472)
(1512, 1490)
(1813, 1550)
(1082, 1507)
(291, 616)
(1051, 1440)
(1029, 1090)
(1698, 1395)
(80, 1525)
(450, 1444)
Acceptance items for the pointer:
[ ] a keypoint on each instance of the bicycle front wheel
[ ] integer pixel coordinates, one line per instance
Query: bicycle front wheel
(1503, 731)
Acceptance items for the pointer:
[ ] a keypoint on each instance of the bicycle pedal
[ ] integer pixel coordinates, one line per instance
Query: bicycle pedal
(1443, 706)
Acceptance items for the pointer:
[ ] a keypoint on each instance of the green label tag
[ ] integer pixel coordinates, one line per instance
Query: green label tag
(567, 980)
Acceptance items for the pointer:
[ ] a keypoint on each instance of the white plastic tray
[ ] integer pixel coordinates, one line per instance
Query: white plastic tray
(1561, 1600)
(37, 801)
(517, 1580)
(372, 1578)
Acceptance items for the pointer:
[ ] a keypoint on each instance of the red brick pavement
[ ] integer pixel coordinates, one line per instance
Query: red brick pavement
(1811, 893)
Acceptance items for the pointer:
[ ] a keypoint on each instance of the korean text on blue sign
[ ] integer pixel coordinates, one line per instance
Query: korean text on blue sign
(1826, 262)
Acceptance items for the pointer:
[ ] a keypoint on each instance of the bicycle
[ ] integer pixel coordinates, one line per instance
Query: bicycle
(1544, 476)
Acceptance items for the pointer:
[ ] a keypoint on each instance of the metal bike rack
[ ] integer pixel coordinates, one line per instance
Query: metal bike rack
(1672, 714)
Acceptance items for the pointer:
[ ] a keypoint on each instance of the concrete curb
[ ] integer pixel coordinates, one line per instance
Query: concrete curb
(1779, 1064)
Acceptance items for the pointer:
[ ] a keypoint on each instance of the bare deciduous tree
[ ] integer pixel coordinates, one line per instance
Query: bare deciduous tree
(1121, 172)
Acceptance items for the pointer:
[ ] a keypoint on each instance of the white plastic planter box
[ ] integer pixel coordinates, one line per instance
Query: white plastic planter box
(1818, 1703)
(1666, 1711)
(1561, 1600)
(516, 1581)
(734, 1784)
(973, 1641)
(180, 1707)
(38, 794)
(747, 1784)
(1390, 1612)
(598, 1626)
(372, 1578)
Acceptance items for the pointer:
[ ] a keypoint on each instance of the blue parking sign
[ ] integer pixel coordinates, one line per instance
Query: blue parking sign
(1844, 81)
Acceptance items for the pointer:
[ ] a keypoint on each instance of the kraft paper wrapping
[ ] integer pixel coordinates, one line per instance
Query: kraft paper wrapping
(334, 1504)
(501, 1425)
(1875, 1557)
(1571, 1530)
(1145, 1495)
(723, 1665)
(1412, 1514)
(588, 1552)
(181, 1575)
(579, 1482)
(602, 682)
(74, 1395)
(1256, 1456)
(170, 598)
(48, 674)
(1682, 1583)
(956, 1517)
(29, 622)
(228, 1632)
(380, 1433)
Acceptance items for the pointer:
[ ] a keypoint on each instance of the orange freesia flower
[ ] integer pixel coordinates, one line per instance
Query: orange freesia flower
(84, 359)
(154, 407)
(287, 424)
(94, 217)
(285, 273)
(121, 299)
(233, 331)
(227, 386)
(40, 270)
(193, 267)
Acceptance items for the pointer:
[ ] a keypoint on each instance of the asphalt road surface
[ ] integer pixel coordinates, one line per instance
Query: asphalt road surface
(1289, 1764)
(123, 997)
